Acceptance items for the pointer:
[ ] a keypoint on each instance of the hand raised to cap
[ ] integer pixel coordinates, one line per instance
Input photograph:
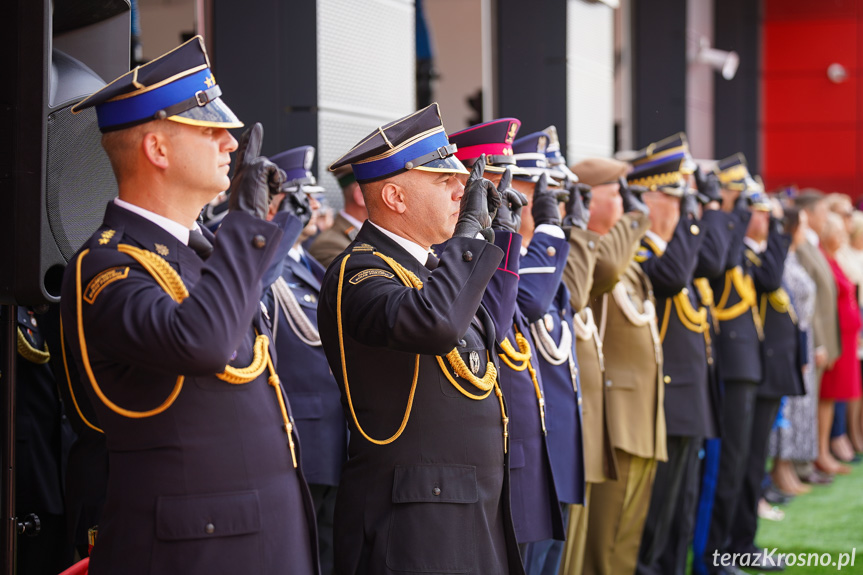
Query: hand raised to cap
(473, 217)
(577, 212)
(256, 178)
(546, 202)
(297, 203)
(689, 205)
(632, 198)
(508, 217)
(708, 186)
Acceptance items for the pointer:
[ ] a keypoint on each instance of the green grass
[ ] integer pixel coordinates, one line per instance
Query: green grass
(827, 520)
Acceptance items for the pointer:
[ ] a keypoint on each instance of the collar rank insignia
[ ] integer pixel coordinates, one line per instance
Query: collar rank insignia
(162, 250)
(474, 362)
(106, 237)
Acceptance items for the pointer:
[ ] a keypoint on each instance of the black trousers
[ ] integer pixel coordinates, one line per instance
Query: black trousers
(324, 498)
(746, 516)
(671, 517)
(738, 414)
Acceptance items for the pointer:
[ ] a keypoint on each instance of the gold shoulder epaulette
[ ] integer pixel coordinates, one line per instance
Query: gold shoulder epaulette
(362, 247)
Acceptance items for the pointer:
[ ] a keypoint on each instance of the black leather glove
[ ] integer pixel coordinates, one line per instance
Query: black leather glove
(689, 205)
(546, 203)
(632, 198)
(577, 212)
(586, 194)
(256, 178)
(297, 203)
(708, 187)
(743, 201)
(473, 216)
(508, 217)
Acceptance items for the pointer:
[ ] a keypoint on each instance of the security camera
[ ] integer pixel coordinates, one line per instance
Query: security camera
(720, 60)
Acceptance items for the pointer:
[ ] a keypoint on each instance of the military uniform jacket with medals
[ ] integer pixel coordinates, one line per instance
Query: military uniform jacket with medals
(633, 363)
(739, 334)
(307, 379)
(208, 485)
(611, 258)
(540, 271)
(782, 356)
(683, 329)
(435, 499)
(535, 505)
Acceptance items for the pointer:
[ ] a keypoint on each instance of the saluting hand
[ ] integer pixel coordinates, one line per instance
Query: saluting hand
(708, 186)
(297, 203)
(632, 198)
(546, 202)
(473, 217)
(256, 178)
(689, 205)
(577, 212)
(508, 217)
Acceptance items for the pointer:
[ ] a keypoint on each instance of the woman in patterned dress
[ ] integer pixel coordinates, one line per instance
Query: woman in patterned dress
(797, 441)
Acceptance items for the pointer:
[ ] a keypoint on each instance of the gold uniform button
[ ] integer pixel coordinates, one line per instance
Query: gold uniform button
(259, 241)
(694, 230)
(209, 529)
(551, 251)
(467, 256)
(436, 491)
(667, 379)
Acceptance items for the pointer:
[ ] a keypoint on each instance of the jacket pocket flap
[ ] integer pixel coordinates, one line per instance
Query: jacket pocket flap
(202, 516)
(435, 484)
(306, 405)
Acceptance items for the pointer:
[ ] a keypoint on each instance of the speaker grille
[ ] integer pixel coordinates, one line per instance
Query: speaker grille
(79, 178)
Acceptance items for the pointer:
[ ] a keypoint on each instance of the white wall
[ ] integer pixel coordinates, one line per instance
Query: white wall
(366, 74)
(590, 80)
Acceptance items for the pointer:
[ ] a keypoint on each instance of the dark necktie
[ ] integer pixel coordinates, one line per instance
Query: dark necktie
(432, 262)
(200, 244)
(305, 261)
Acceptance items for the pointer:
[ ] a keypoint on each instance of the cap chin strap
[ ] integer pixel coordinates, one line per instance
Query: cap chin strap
(201, 98)
(439, 154)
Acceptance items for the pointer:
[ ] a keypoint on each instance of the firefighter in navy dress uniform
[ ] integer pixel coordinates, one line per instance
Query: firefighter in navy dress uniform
(425, 487)
(205, 467)
(292, 302)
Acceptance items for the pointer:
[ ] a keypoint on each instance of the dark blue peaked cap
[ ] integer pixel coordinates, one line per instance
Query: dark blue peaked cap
(530, 155)
(297, 164)
(177, 86)
(416, 142)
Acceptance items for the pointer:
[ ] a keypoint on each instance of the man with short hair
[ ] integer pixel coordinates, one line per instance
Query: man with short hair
(204, 471)
(425, 487)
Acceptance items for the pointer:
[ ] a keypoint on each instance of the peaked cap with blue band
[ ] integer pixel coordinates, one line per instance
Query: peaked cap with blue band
(494, 139)
(416, 142)
(530, 155)
(662, 166)
(297, 165)
(734, 175)
(177, 86)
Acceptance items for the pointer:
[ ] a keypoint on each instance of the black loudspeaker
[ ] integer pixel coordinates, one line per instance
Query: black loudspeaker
(55, 178)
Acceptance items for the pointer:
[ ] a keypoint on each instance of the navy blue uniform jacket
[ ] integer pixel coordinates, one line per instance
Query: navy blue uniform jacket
(436, 499)
(535, 506)
(541, 270)
(208, 485)
(688, 410)
(309, 383)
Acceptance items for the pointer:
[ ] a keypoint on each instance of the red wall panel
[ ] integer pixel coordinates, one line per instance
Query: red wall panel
(812, 128)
